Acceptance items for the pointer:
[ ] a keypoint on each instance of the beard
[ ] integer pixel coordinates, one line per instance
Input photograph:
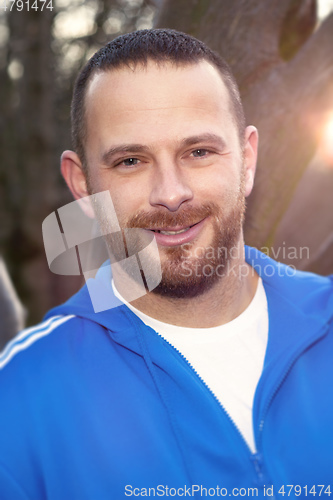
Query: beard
(187, 271)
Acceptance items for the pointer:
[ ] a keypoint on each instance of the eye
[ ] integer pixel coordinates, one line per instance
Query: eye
(129, 162)
(200, 153)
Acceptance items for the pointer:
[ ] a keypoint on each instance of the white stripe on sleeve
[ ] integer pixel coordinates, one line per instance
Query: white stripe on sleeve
(29, 336)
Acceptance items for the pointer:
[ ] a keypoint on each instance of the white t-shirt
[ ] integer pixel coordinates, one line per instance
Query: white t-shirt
(229, 358)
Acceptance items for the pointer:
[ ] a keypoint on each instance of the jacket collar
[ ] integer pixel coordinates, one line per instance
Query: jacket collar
(291, 320)
(293, 303)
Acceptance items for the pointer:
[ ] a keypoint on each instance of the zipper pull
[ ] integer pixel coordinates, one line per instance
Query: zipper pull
(262, 480)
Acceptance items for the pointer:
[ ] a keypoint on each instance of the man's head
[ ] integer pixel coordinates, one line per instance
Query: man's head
(137, 48)
(165, 135)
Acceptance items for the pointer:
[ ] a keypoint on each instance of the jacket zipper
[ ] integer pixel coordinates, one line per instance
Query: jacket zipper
(256, 457)
(211, 393)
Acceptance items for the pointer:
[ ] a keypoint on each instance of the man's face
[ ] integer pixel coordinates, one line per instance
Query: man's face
(162, 140)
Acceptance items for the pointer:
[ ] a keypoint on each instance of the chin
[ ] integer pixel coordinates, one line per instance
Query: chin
(184, 275)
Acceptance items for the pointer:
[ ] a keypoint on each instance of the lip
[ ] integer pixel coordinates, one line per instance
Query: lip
(172, 240)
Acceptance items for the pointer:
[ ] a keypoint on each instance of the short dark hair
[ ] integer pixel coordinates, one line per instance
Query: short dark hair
(138, 47)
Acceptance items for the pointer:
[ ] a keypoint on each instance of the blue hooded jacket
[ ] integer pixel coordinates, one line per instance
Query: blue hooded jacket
(98, 406)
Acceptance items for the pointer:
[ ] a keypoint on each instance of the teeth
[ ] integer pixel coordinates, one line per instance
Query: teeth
(175, 232)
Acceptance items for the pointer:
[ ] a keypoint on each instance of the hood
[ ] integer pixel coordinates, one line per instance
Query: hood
(299, 290)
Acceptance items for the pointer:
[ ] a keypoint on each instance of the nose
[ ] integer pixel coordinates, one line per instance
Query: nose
(170, 188)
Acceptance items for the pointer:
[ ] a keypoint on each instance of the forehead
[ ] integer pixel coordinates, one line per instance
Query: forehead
(156, 86)
(156, 105)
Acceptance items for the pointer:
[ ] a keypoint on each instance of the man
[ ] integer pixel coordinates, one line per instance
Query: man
(214, 383)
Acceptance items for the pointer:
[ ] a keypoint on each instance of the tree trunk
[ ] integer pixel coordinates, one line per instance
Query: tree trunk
(29, 163)
(284, 69)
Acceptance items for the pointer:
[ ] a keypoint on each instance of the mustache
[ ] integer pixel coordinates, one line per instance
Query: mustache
(161, 218)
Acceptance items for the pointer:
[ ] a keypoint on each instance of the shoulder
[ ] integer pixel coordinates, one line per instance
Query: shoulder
(307, 291)
(39, 363)
(310, 292)
(40, 342)
(29, 336)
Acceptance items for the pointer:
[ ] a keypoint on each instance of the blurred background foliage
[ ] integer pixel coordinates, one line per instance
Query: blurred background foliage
(281, 53)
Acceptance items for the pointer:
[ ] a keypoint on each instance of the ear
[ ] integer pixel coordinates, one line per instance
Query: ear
(75, 177)
(250, 157)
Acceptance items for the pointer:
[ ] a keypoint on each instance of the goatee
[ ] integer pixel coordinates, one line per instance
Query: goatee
(185, 275)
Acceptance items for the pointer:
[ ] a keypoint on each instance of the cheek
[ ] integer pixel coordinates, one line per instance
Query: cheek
(218, 187)
(128, 200)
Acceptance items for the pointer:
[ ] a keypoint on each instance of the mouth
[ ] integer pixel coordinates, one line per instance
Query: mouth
(177, 235)
(171, 231)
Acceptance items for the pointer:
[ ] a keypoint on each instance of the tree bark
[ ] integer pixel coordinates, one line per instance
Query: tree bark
(284, 69)
(289, 112)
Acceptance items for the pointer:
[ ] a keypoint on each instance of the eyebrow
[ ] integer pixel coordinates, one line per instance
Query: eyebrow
(208, 137)
(108, 156)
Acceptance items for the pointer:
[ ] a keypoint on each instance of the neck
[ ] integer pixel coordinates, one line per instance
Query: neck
(228, 298)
